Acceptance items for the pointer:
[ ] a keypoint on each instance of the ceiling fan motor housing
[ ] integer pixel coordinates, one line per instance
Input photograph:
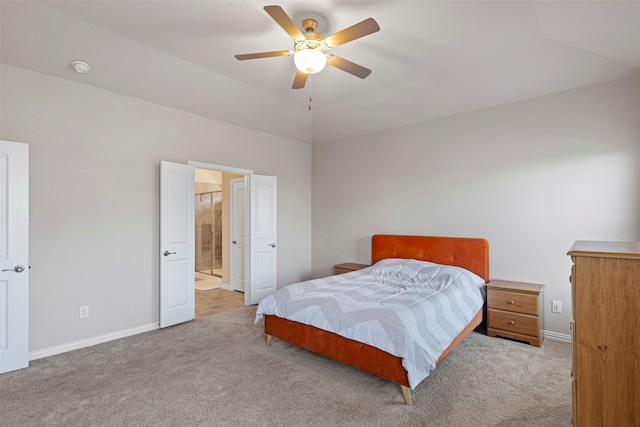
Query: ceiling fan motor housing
(313, 41)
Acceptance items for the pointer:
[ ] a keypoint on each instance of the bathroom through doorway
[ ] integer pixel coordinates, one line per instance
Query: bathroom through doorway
(212, 252)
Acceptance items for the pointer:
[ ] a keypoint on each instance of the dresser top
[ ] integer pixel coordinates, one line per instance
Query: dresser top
(605, 249)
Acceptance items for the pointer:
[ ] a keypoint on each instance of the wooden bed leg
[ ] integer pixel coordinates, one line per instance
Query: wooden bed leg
(406, 392)
(269, 337)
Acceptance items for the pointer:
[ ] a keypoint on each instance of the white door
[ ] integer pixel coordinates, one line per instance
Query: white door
(14, 256)
(264, 265)
(237, 234)
(177, 243)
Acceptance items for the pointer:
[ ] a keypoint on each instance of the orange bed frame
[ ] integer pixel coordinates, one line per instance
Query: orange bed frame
(469, 253)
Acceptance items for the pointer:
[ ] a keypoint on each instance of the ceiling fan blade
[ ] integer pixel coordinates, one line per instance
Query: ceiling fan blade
(244, 56)
(348, 66)
(285, 22)
(300, 80)
(353, 32)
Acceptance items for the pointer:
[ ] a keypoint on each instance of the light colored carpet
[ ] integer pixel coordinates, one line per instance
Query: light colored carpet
(217, 371)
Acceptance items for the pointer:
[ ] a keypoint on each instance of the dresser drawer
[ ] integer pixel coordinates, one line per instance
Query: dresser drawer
(514, 322)
(513, 301)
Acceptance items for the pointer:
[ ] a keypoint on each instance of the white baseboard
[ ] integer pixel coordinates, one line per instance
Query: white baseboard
(75, 345)
(556, 336)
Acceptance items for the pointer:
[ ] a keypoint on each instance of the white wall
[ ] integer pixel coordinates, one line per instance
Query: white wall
(94, 180)
(530, 177)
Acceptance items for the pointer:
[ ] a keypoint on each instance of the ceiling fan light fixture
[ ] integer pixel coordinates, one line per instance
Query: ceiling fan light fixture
(310, 61)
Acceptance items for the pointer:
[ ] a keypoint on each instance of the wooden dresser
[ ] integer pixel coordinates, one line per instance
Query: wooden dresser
(515, 311)
(605, 332)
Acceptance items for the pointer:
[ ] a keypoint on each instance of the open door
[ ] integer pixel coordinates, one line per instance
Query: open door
(264, 236)
(14, 256)
(177, 243)
(238, 239)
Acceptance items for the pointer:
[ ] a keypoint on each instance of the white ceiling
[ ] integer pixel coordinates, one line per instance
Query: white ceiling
(430, 59)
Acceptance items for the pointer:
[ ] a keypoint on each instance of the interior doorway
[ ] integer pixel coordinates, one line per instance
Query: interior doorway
(177, 238)
(213, 292)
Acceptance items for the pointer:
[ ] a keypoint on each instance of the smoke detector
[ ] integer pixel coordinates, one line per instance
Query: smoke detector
(80, 67)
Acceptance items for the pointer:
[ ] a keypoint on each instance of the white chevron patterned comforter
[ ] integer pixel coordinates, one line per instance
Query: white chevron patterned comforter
(410, 309)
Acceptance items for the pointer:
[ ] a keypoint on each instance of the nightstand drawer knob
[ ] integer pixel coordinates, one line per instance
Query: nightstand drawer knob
(512, 322)
(512, 302)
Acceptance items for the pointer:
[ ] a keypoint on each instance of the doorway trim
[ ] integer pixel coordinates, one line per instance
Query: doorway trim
(221, 168)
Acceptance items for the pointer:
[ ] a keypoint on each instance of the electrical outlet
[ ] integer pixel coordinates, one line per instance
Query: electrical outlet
(556, 307)
(84, 311)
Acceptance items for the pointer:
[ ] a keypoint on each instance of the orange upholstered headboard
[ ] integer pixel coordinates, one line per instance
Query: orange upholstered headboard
(469, 253)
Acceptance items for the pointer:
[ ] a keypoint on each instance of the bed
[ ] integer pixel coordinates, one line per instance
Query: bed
(397, 253)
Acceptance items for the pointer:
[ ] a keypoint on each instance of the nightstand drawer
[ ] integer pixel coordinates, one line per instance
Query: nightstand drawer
(513, 301)
(514, 322)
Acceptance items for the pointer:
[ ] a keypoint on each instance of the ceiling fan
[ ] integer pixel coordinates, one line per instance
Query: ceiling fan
(309, 55)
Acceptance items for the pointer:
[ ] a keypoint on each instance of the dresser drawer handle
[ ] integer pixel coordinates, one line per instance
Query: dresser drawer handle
(512, 322)
(512, 302)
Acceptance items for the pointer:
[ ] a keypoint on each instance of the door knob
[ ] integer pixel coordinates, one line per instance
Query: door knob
(233, 241)
(18, 269)
(273, 245)
(167, 253)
